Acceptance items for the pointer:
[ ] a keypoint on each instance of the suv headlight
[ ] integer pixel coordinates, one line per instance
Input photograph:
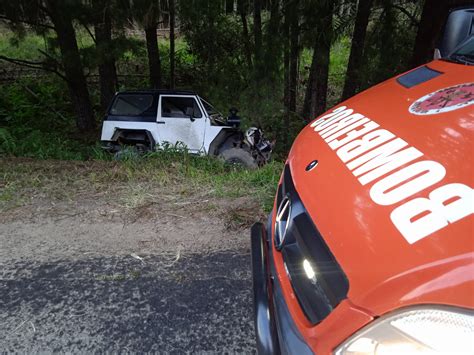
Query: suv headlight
(420, 330)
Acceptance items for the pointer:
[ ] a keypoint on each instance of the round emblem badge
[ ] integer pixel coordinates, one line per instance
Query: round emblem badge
(444, 100)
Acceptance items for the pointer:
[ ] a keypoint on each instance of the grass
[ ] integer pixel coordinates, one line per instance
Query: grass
(205, 175)
(26, 48)
(129, 53)
(337, 69)
(134, 182)
(28, 45)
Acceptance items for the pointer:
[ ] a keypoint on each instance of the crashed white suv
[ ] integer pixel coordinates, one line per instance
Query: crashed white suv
(151, 119)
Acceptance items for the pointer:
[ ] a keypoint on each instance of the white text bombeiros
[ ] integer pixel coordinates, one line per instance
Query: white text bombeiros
(397, 171)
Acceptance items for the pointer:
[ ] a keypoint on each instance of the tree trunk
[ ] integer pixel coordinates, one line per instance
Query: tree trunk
(172, 54)
(103, 36)
(272, 42)
(387, 66)
(257, 32)
(316, 90)
(229, 6)
(242, 8)
(354, 66)
(294, 55)
(162, 8)
(72, 64)
(154, 62)
(286, 75)
(433, 16)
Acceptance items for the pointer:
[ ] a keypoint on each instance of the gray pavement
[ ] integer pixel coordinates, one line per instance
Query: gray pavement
(194, 303)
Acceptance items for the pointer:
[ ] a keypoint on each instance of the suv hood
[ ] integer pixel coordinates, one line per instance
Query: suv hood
(390, 259)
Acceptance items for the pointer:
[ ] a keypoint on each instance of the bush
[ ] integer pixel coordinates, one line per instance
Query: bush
(35, 121)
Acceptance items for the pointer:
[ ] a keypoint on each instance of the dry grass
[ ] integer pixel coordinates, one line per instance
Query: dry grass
(135, 184)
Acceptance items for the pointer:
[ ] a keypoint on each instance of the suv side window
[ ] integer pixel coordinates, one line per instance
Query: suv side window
(133, 105)
(177, 107)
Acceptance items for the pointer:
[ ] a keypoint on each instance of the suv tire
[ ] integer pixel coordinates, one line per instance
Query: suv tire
(239, 157)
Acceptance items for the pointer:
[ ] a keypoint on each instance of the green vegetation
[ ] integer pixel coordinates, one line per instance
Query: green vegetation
(25, 47)
(254, 55)
(257, 56)
(36, 118)
(37, 122)
(337, 69)
(21, 179)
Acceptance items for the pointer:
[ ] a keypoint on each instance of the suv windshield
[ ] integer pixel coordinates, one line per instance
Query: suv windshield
(216, 117)
(209, 108)
(465, 53)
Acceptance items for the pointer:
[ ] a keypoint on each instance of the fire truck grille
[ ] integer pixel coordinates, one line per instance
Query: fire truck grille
(317, 279)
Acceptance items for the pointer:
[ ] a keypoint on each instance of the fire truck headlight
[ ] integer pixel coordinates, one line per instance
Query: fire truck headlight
(417, 330)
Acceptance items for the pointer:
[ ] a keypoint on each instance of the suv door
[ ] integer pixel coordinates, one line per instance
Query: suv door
(177, 126)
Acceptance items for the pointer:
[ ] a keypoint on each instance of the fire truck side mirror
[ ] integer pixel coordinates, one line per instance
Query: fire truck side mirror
(459, 27)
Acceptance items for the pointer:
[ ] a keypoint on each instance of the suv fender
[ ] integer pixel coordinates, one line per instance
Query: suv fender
(226, 139)
(133, 137)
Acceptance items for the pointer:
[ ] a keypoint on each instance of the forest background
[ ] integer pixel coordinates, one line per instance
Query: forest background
(281, 62)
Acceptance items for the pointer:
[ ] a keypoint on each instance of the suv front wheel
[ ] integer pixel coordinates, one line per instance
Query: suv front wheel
(238, 157)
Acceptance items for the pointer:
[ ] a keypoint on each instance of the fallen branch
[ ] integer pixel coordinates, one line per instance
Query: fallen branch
(21, 324)
(135, 256)
(174, 215)
(41, 102)
(178, 255)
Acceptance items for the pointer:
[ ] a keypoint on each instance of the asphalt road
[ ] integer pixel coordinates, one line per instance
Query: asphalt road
(194, 303)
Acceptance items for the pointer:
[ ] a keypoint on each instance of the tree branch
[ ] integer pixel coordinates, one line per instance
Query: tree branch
(49, 56)
(89, 32)
(44, 9)
(26, 63)
(49, 27)
(33, 65)
(412, 18)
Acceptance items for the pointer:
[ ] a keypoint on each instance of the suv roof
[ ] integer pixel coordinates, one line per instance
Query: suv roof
(159, 92)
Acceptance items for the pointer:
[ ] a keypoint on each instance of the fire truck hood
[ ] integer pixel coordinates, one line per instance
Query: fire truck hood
(388, 262)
